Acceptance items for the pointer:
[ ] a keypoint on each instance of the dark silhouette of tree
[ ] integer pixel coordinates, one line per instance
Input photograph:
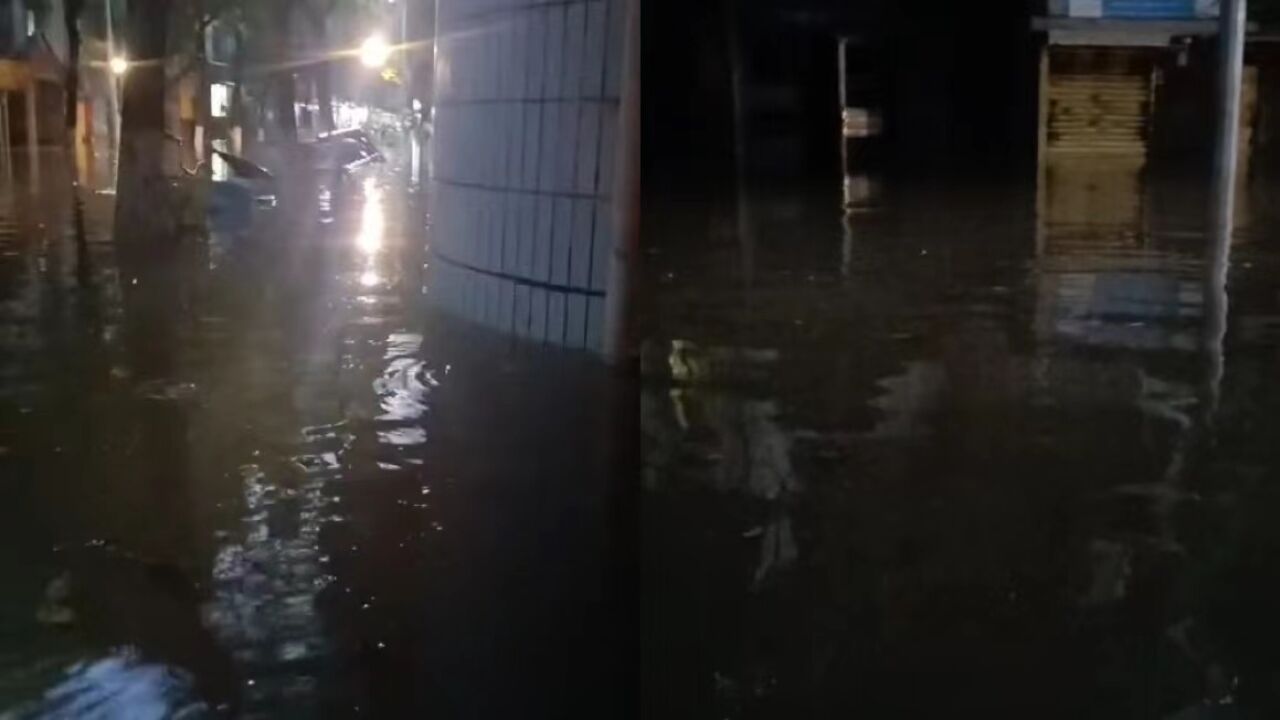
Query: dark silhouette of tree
(317, 13)
(144, 207)
(71, 18)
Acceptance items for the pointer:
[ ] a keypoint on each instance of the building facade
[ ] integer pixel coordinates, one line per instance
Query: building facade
(526, 116)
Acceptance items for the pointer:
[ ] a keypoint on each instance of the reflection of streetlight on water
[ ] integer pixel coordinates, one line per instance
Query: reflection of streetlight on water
(374, 52)
(372, 228)
(372, 221)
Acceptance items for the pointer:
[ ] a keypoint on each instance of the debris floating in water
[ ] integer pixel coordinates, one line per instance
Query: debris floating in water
(165, 390)
(54, 610)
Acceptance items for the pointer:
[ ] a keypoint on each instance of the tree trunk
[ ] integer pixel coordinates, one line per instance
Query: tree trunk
(324, 95)
(71, 17)
(202, 112)
(236, 115)
(285, 87)
(144, 206)
(286, 120)
(322, 72)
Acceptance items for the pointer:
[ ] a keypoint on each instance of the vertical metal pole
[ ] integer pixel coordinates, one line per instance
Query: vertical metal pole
(6, 150)
(626, 196)
(1042, 149)
(843, 65)
(1230, 79)
(111, 50)
(33, 132)
(113, 118)
(1226, 159)
(746, 229)
(1042, 123)
(406, 57)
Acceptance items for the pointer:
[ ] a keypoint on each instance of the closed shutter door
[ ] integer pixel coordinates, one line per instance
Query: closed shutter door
(1095, 114)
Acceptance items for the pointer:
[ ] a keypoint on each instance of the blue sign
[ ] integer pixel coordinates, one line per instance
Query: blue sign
(1150, 9)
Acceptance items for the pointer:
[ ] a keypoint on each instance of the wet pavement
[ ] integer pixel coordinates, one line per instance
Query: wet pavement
(253, 475)
(978, 449)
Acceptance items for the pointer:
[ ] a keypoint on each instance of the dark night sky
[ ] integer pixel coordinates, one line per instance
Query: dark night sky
(956, 84)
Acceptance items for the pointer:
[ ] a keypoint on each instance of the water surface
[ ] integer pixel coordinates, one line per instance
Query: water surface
(253, 475)
(974, 449)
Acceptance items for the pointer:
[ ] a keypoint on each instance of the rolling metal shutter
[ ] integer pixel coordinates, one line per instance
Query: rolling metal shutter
(1099, 114)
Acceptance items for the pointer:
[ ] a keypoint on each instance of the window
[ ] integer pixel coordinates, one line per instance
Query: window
(220, 44)
(219, 99)
(219, 166)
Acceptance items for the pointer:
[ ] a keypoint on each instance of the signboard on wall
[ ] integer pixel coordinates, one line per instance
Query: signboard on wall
(1136, 9)
(1084, 8)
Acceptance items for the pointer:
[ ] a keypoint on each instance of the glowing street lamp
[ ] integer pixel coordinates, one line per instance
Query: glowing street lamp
(374, 52)
(119, 66)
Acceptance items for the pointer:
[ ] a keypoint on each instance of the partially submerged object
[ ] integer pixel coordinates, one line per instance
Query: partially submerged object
(242, 168)
(54, 610)
(247, 186)
(344, 153)
(358, 136)
(226, 199)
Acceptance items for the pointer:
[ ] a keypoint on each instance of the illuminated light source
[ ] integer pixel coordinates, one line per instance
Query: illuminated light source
(119, 65)
(374, 52)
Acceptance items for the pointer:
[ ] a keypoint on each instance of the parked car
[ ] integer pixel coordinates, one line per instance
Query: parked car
(346, 151)
(247, 186)
(360, 135)
(253, 177)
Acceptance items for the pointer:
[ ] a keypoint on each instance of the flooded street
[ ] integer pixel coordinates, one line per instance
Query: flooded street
(974, 449)
(254, 475)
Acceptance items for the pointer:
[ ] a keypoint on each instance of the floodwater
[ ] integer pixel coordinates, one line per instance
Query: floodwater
(253, 475)
(975, 449)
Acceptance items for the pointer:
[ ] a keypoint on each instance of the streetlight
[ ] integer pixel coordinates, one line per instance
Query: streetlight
(119, 66)
(374, 52)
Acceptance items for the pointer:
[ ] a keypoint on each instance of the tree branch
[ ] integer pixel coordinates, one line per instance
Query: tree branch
(202, 25)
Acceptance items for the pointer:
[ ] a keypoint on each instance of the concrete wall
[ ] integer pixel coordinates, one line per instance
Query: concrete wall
(526, 116)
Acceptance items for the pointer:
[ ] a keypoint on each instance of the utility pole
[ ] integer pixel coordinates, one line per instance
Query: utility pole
(1222, 210)
(842, 65)
(1230, 78)
(113, 116)
(626, 198)
(405, 56)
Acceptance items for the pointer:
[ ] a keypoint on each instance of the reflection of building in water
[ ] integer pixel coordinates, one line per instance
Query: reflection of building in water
(861, 192)
(908, 400)
(748, 450)
(861, 121)
(1101, 278)
(1111, 280)
(753, 453)
(1087, 192)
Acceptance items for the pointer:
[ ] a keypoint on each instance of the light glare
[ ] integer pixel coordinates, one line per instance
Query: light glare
(374, 52)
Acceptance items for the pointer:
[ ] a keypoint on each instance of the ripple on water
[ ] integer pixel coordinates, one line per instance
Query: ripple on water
(266, 581)
(403, 436)
(402, 344)
(335, 437)
(318, 463)
(402, 390)
(119, 686)
(168, 390)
